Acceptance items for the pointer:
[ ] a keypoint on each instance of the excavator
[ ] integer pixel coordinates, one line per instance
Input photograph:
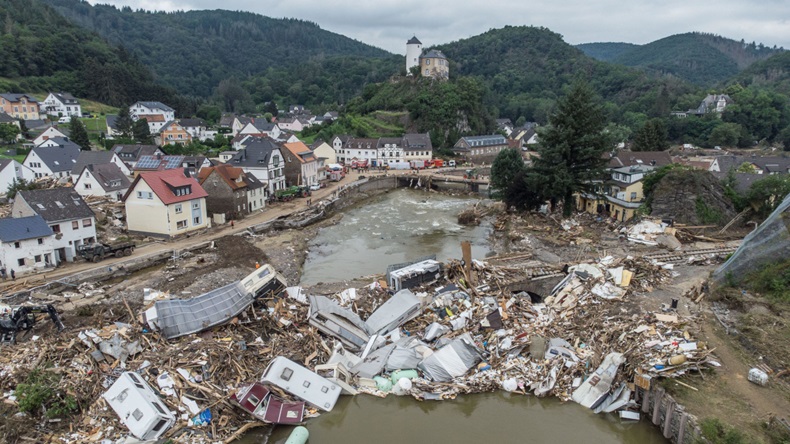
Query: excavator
(22, 318)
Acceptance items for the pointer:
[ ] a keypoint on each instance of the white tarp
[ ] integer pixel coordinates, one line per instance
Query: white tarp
(452, 360)
(596, 388)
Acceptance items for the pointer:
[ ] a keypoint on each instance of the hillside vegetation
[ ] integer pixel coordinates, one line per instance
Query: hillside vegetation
(194, 51)
(702, 59)
(605, 51)
(772, 74)
(41, 51)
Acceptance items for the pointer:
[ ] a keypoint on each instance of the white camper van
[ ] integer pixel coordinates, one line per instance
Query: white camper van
(139, 407)
(299, 381)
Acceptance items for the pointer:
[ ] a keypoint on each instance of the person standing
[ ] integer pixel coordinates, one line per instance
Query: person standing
(231, 224)
(13, 275)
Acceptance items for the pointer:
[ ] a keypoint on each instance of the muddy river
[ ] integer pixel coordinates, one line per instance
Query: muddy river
(405, 225)
(392, 228)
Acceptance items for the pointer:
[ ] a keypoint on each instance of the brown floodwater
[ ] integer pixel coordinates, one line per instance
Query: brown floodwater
(499, 418)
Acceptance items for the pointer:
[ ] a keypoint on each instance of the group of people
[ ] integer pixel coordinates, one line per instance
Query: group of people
(4, 275)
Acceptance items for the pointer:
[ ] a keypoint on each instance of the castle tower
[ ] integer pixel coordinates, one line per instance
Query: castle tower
(413, 53)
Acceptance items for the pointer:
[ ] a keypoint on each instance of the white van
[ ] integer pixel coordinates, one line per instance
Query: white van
(64, 119)
(451, 164)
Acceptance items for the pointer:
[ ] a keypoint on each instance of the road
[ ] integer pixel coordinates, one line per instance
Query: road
(271, 212)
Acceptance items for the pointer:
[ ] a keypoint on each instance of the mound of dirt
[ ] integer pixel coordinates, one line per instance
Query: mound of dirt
(692, 197)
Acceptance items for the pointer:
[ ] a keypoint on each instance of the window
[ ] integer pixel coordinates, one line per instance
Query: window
(196, 221)
(253, 400)
(178, 209)
(633, 195)
(139, 194)
(428, 62)
(286, 375)
(21, 262)
(159, 425)
(55, 228)
(17, 245)
(138, 415)
(195, 205)
(75, 225)
(37, 258)
(87, 186)
(306, 384)
(41, 241)
(181, 224)
(87, 222)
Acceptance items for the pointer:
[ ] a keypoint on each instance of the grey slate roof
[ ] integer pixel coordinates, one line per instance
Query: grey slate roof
(192, 123)
(111, 120)
(13, 97)
(57, 204)
(36, 124)
(481, 141)
(226, 121)
(21, 228)
(262, 125)
(417, 141)
(91, 158)
(131, 153)
(253, 182)
(433, 54)
(255, 154)
(65, 98)
(413, 41)
(397, 141)
(59, 158)
(156, 105)
(632, 158)
(769, 165)
(4, 163)
(5, 118)
(109, 176)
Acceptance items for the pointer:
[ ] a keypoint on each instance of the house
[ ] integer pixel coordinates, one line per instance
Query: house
(505, 125)
(480, 148)
(231, 191)
(294, 124)
(338, 142)
(155, 122)
(130, 154)
(111, 121)
(104, 179)
(21, 106)
(434, 64)
(388, 149)
(261, 128)
(5, 119)
(152, 108)
(238, 123)
(192, 164)
(301, 165)
(324, 151)
(635, 158)
(86, 158)
(620, 197)
(417, 147)
(54, 157)
(197, 129)
(26, 244)
(263, 158)
(360, 149)
(11, 171)
(722, 165)
(712, 103)
(165, 203)
(62, 104)
(240, 141)
(70, 218)
(226, 156)
(49, 133)
(172, 133)
(226, 121)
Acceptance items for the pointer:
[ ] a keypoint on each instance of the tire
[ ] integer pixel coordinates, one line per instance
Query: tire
(128, 251)
(96, 258)
(119, 253)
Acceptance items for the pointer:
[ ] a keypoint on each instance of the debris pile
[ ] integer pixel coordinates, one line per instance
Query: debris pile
(584, 340)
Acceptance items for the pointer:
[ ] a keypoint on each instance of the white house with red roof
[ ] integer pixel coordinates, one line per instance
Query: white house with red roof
(165, 203)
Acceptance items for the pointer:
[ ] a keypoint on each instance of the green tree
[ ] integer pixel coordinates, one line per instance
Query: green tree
(209, 113)
(572, 147)
(651, 137)
(124, 123)
(20, 185)
(79, 134)
(766, 194)
(726, 134)
(507, 166)
(141, 133)
(8, 132)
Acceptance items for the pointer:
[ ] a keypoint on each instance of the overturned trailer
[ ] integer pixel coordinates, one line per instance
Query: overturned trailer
(413, 274)
(180, 317)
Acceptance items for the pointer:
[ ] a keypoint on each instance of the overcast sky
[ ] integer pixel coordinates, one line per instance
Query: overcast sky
(389, 23)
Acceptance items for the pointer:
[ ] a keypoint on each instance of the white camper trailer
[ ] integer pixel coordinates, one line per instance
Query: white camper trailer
(299, 381)
(138, 406)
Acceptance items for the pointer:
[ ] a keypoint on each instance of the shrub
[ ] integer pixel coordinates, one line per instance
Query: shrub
(41, 391)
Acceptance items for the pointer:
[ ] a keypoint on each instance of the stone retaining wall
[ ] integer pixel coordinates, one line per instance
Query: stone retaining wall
(671, 418)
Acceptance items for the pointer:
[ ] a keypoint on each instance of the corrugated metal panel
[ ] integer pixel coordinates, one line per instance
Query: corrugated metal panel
(179, 317)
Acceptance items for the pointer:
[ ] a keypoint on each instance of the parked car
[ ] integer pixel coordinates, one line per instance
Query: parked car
(315, 187)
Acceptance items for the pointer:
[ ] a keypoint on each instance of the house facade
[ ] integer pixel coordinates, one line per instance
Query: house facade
(620, 197)
(166, 204)
(156, 113)
(480, 148)
(26, 244)
(69, 217)
(417, 147)
(263, 158)
(325, 151)
(434, 64)
(21, 106)
(86, 158)
(49, 133)
(231, 191)
(62, 104)
(197, 129)
(301, 165)
(10, 171)
(360, 149)
(172, 133)
(105, 180)
(54, 157)
(130, 154)
(388, 149)
(261, 128)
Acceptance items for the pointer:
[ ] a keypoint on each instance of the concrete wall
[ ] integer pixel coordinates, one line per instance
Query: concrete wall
(662, 410)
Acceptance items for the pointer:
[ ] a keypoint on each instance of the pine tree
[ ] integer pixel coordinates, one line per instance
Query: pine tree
(79, 134)
(141, 132)
(124, 123)
(651, 137)
(572, 148)
(507, 166)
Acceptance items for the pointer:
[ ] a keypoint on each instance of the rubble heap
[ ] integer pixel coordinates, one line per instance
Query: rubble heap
(583, 340)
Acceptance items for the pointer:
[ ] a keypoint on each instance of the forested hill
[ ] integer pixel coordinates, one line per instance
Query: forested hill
(605, 51)
(40, 51)
(702, 59)
(772, 74)
(194, 51)
(526, 68)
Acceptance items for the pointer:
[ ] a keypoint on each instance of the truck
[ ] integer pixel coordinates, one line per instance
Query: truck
(418, 164)
(399, 165)
(451, 163)
(437, 163)
(99, 250)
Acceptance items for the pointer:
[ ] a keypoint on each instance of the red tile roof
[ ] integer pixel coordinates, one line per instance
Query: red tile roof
(152, 117)
(228, 173)
(163, 184)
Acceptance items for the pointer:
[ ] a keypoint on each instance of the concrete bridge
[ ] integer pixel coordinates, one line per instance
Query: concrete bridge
(437, 180)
